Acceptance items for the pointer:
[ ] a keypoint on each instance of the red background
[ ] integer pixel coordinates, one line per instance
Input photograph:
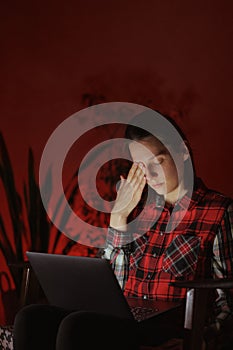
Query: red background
(175, 56)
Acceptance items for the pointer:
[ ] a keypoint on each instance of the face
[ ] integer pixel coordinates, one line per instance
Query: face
(158, 165)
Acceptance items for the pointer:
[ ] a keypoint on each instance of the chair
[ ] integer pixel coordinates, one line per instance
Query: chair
(31, 290)
(196, 335)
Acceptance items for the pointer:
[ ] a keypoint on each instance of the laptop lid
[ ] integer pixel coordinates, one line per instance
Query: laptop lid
(79, 283)
(89, 284)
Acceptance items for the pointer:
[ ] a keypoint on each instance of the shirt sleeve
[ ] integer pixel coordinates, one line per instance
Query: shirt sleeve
(117, 251)
(223, 264)
(123, 251)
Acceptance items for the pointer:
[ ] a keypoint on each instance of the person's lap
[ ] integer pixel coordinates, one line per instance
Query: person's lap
(48, 327)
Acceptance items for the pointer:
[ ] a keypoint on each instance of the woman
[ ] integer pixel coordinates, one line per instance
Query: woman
(165, 225)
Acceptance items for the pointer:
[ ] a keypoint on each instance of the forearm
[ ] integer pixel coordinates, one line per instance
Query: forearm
(118, 222)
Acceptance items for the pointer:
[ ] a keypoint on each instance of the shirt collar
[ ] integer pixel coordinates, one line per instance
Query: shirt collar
(191, 198)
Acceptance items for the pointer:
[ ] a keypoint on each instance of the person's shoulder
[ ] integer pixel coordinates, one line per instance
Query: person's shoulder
(219, 198)
(214, 196)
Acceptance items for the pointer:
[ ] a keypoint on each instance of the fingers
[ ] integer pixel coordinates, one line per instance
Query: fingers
(130, 191)
(122, 182)
(136, 173)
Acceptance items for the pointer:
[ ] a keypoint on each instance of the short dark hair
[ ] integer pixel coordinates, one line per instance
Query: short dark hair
(137, 133)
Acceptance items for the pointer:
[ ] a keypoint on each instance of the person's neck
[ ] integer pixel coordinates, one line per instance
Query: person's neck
(175, 195)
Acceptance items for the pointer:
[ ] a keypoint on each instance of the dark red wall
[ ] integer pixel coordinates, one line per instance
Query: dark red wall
(177, 54)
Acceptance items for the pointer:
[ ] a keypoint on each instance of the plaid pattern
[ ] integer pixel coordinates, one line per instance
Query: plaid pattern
(119, 261)
(200, 246)
(181, 255)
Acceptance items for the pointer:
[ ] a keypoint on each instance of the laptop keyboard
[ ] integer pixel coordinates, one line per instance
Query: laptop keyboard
(140, 313)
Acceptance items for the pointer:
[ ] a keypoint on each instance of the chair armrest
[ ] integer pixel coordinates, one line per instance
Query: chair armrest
(223, 283)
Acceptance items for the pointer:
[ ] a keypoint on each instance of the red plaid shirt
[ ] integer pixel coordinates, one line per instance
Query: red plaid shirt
(200, 246)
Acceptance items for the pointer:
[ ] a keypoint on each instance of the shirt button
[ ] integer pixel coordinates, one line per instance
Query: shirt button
(149, 275)
(161, 233)
(144, 297)
(154, 255)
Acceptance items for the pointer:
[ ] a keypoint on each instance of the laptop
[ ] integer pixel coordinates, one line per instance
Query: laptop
(89, 283)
